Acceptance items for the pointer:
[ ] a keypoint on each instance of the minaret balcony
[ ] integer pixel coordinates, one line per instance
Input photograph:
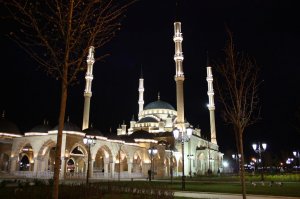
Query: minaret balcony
(178, 56)
(177, 38)
(89, 77)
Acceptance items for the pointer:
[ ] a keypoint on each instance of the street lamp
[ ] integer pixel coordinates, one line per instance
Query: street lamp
(152, 152)
(297, 155)
(190, 157)
(236, 157)
(89, 141)
(260, 148)
(182, 136)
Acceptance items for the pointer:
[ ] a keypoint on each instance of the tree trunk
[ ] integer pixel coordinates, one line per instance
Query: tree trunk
(242, 169)
(63, 103)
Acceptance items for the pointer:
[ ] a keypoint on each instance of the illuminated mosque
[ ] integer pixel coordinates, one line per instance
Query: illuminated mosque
(147, 144)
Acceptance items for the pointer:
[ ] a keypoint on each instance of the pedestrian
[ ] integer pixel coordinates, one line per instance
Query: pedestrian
(149, 175)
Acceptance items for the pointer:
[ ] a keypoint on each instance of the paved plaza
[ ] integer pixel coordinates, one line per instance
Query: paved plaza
(205, 195)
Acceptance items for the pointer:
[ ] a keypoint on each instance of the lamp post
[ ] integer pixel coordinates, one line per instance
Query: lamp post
(236, 157)
(182, 136)
(190, 157)
(89, 141)
(260, 148)
(297, 156)
(152, 152)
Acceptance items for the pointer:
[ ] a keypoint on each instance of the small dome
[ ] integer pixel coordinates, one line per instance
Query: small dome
(141, 134)
(42, 128)
(68, 126)
(127, 138)
(7, 126)
(113, 136)
(147, 120)
(159, 104)
(93, 132)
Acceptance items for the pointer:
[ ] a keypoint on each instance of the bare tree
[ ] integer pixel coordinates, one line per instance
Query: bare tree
(296, 120)
(237, 89)
(57, 34)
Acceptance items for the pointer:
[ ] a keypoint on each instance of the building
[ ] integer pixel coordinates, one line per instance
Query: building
(147, 145)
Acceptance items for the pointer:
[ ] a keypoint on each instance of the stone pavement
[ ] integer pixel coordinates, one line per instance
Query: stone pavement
(205, 195)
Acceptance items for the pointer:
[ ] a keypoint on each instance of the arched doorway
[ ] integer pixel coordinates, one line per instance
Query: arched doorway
(99, 162)
(70, 166)
(77, 156)
(24, 164)
(137, 164)
(121, 162)
(4, 160)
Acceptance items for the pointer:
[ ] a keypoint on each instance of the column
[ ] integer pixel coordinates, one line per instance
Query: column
(106, 169)
(62, 168)
(92, 168)
(35, 165)
(112, 169)
(129, 169)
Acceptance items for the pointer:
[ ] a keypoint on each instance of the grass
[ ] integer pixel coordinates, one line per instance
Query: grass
(140, 189)
(231, 184)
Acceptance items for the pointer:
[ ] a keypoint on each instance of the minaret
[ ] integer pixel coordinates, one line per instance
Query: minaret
(211, 105)
(141, 94)
(88, 88)
(179, 76)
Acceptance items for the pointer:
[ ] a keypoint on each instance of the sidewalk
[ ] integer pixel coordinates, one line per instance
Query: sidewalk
(205, 195)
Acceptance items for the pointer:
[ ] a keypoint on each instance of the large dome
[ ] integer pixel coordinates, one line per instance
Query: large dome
(159, 104)
(8, 127)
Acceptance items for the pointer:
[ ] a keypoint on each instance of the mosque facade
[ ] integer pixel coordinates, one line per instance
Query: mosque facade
(147, 144)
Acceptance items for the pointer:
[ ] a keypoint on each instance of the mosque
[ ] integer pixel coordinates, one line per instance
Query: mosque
(147, 144)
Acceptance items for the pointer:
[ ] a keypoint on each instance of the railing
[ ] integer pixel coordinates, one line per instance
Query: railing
(31, 174)
(69, 175)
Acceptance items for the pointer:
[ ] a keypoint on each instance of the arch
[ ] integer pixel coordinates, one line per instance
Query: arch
(46, 148)
(101, 158)
(121, 160)
(107, 152)
(46, 156)
(78, 154)
(26, 159)
(201, 164)
(137, 163)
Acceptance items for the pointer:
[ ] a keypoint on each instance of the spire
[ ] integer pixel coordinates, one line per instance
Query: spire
(132, 119)
(141, 75)
(207, 59)
(177, 12)
(3, 114)
(158, 96)
(68, 119)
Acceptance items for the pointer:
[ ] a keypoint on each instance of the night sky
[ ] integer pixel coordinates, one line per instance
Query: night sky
(267, 30)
